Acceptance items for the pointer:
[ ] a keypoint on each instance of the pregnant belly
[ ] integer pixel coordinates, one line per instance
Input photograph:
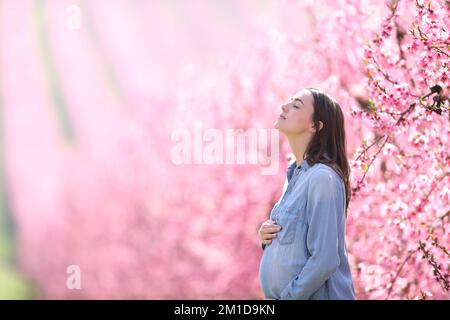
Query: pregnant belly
(275, 271)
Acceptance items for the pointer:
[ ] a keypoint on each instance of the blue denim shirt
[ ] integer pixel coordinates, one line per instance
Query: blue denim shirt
(308, 258)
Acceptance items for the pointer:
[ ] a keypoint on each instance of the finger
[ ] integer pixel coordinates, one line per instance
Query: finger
(268, 236)
(267, 241)
(268, 230)
(271, 229)
(274, 229)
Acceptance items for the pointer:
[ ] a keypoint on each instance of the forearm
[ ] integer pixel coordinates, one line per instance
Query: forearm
(314, 274)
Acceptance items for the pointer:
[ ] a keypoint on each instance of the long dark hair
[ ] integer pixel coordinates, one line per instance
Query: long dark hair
(330, 139)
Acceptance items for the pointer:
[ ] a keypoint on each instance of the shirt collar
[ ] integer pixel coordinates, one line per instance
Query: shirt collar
(304, 166)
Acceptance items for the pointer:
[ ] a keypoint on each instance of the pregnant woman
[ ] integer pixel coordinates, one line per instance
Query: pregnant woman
(304, 250)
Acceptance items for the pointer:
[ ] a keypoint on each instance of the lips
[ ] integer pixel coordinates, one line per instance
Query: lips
(282, 117)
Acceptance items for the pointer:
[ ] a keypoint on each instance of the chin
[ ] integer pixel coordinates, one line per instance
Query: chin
(278, 125)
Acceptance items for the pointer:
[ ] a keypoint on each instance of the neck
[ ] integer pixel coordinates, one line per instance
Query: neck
(298, 144)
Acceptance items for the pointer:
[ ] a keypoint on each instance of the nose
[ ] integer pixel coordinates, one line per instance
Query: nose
(284, 108)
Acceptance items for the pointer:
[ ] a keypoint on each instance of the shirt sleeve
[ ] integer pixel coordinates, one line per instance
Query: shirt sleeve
(322, 213)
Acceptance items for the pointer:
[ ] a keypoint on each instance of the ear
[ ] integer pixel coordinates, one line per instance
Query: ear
(320, 126)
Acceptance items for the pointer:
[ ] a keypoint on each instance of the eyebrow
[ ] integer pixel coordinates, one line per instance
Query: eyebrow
(298, 99)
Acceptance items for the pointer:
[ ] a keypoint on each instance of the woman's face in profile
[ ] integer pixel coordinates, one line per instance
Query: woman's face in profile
(297, 114)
